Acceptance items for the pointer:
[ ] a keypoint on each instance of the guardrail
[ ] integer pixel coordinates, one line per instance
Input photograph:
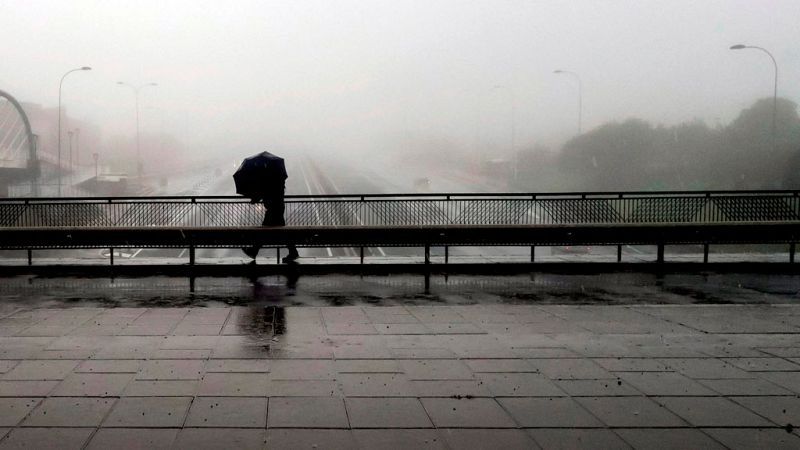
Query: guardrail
(424, 220)
(409, 209)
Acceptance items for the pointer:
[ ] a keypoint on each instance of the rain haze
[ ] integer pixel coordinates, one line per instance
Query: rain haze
(460, 81)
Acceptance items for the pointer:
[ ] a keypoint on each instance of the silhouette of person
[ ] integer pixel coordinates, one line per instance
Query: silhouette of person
(272, 199)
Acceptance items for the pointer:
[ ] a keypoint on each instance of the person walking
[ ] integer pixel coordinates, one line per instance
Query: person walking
(263, 178)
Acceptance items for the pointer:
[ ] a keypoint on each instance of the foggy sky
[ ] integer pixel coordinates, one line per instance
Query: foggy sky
(342, 76)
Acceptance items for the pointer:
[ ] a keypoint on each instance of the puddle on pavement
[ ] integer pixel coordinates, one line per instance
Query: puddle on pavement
(346, 290)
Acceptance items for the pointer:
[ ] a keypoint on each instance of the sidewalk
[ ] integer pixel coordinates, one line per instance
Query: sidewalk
(426, 376)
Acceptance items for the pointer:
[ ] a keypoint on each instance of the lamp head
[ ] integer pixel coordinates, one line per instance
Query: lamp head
(738, 47)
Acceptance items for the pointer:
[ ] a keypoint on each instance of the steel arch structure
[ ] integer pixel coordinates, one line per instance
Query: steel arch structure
(17, 142)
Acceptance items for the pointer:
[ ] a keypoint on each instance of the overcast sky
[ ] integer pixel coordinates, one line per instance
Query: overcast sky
(339, 75)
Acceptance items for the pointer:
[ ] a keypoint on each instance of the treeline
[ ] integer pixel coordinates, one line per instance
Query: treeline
(634, 155)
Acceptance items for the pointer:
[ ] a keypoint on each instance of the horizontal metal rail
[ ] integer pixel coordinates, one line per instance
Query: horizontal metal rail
(405, 236)
(393, 210)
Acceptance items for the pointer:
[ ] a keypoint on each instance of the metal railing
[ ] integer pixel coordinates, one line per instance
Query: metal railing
(409, 209)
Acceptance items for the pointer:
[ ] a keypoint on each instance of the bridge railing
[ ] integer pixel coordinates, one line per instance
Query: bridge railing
(409, 209)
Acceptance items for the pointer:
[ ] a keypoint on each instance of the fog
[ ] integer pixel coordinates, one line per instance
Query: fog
(354, 78)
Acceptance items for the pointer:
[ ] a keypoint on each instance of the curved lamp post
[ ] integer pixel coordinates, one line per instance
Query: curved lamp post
(60, 84)
(580, 94)
(775, 87)
(136, 90)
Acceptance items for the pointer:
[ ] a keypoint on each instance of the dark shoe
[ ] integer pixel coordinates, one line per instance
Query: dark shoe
(288, 259)
(251, 251)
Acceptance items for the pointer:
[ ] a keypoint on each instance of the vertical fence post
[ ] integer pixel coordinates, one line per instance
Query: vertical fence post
(660, 253)
(277, 255)
(191, 255)
(619, 253)
(362, 254)
(791, 252)
(30, 257)
(533, 253)
(427, 253)
(446, 254)
(705, 252)
(111, 254)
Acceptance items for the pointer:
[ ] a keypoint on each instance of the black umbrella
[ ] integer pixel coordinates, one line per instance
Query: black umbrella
(259, 175)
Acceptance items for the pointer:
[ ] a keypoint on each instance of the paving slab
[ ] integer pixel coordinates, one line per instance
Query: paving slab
(399, 439)
(386, 413)
(577, 439)
(549, 412)
(668, 439)
(749, 438)
(231, 412)
(307, 412)
(218, 438)
(149, 412)
(467, 413)
(469, 372)
(485, 439)
(46, 438)
(13, 410)
(133, 439)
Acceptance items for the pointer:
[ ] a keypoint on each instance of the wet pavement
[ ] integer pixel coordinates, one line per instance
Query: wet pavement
(622, 360)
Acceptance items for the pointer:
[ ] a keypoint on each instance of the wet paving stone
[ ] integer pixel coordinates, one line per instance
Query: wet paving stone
(548, 412)
(668, 439)
(93, 385)
(70, 412)
(386, 413)
(133, 439)
(310, 439)
(219, 438)
(307, 412)
(483, 439)
(223, 376)
(13, 410)
(467, 413)
(148, 412)
(46, 438)
(399, 439)
(630, 412)
(577, 439)
(228, 412)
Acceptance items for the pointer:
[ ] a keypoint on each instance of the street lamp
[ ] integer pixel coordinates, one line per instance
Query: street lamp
(513, 124)
(59, 121)
(774, 90)
(580, 94)
(136, 95)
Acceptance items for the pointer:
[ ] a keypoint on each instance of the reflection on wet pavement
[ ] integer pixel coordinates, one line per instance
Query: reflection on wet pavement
(343, 290)
(359, 362)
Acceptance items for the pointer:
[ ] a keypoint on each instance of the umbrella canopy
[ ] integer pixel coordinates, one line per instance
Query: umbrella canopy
(259, 175)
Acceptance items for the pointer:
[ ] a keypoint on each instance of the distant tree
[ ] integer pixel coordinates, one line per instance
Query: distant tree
(633, 155)
(750, 156)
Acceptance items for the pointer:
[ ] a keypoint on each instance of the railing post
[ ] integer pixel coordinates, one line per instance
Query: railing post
(111, 254)
(362, 254)
(191, 255)
(660, 254)
(277, 255)
(446, 254)
(705, 252)
(533, 253)
(619, 253)
(30, 257)
(427, 253)
(791, 252)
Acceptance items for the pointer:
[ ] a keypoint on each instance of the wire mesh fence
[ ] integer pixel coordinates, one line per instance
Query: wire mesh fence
(408, 210)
